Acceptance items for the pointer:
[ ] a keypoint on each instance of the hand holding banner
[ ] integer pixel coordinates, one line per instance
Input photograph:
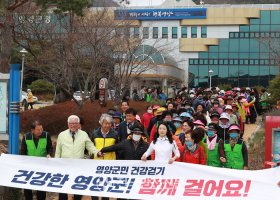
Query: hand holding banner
(137, 179)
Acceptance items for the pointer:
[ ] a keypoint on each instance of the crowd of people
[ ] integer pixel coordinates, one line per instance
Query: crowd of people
(203, 127)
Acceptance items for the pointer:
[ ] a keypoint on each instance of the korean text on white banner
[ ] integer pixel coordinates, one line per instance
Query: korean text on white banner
(137, 179)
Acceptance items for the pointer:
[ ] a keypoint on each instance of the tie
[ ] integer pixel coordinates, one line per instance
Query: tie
(73, 136)
(129, 125)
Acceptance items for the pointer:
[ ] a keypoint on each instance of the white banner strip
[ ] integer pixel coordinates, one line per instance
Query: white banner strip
(137, 179)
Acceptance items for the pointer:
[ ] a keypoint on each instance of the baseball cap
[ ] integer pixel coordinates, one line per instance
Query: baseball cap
(215, 114)
(138, 128)
(117, 115)
(212, 126)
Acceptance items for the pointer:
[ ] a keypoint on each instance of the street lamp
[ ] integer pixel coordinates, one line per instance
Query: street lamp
(210, 76)
(23, 52)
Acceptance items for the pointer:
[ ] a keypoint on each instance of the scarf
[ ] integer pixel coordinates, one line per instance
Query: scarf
(232, 142)
(212, 144)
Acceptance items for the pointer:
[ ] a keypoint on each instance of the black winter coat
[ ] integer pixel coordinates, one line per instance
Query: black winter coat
(128, 149)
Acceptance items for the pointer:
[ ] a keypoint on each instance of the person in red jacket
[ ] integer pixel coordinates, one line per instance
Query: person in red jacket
(147, 116)
(193, 152)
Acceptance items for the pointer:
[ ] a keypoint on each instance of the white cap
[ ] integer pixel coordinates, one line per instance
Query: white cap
(224, 116)
(228, 107)
(222, 91)
(191, 92)
(247, 88)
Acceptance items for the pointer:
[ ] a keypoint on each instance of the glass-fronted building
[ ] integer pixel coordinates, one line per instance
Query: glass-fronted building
(239, 43)
(247, 58)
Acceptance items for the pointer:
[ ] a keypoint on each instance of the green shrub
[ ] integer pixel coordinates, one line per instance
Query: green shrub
(274, 89)
(41, 87)
(225, 87)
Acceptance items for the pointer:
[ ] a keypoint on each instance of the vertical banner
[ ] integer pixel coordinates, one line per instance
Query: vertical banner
(3, 107)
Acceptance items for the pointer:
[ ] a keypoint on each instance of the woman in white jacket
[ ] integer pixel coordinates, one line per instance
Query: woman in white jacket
(163, 145)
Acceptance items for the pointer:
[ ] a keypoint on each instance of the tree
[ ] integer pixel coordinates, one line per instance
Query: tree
(272, 44)
(133, 57)
(75, 54)
(8, 8)
(274, 88)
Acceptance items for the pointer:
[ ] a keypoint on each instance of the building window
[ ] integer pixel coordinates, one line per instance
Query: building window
(155, 32)
(184, 32)
(204, 32)
(127, 32)
(136, 32)
(146, 33)
(164, 32)
(194, 32)
(174, 32)
(118, 32)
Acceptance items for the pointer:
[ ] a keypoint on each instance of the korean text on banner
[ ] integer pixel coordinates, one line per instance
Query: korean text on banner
(137, 179)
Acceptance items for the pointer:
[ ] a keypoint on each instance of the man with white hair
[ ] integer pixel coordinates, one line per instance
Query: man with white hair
(105, 136)
(72, 143)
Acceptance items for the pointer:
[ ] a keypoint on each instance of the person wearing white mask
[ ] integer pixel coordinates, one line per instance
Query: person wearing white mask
(147, 116)
(134, 146)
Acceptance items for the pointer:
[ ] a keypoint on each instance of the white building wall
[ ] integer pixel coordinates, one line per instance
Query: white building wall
(220, 31)
(171, 46)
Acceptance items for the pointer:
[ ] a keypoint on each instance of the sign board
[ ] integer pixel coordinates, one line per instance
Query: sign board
(272, 139)
(3, 102)
(160, 14)
(276, 145)
(103, 87)
(103, 83)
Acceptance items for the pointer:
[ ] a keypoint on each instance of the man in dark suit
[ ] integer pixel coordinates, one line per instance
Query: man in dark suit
(130, 119)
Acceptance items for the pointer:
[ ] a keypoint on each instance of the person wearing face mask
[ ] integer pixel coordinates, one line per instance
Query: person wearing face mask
(233, 152)
(134, 146)
(224, 123)
(212, 143)
(177, 121)
(157, 117)
(193, 152)
(147, 116)
(216, 107)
